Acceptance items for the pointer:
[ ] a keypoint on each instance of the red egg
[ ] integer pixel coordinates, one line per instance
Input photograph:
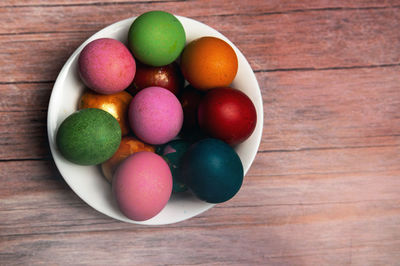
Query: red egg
(227, 114)
(168, 77)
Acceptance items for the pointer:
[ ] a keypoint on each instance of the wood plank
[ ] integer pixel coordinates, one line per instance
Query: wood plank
(280, 185)
(47, 53)
(303, 110)
(220, 6)
(323, 189)
(334, 108)
(333, 243)
(46, 3)
(23, 135)
(283, 220)
(30, 178)
(23, 121)
(302, 40)
(25, 97)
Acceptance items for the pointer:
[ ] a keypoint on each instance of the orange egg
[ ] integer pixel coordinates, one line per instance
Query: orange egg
(127, 147)
(116, 104)
(209, 62)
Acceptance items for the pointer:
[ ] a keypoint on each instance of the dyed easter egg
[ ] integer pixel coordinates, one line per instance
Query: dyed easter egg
(89, 136)
(209, 62)
(116, 104)
(212, 170)
(172, 153)
(227, 114)
(169, 77)
(142, 185)
(155, 115)
(156, 38)
(190, 99)
(106, 66)
(128, 146)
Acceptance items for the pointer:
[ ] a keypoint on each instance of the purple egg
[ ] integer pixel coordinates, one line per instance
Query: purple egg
(106, 66)
(155, 115)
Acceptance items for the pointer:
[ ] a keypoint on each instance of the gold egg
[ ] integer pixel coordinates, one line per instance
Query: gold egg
(116, 104)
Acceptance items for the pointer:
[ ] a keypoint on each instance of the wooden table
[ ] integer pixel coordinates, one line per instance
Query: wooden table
(324, 188)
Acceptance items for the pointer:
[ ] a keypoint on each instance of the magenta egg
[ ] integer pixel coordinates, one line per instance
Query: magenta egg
(106, 66)
(142, 185)
(155, 115)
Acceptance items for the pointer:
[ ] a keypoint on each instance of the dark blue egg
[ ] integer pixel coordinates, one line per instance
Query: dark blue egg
(172, 153)
(212, 170)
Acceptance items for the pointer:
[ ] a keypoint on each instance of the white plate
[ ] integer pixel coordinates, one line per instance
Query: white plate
(87, 181)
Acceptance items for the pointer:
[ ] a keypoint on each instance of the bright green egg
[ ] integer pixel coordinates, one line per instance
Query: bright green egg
(88, 137)
(156, 38)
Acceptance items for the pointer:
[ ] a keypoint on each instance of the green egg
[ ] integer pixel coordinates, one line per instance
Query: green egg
(88, 137)
(156, 38)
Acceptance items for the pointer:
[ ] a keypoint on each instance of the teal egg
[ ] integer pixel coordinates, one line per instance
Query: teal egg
(159, 149)
(212, 170)
(156, 38)
(172, 152)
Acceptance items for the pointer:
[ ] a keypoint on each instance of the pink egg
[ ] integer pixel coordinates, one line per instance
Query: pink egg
(155, 115)
(142, 185)
(106, 66)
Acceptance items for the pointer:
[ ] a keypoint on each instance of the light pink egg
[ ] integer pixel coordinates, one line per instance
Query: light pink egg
(155, 115)
(142, 185)
(106, 66)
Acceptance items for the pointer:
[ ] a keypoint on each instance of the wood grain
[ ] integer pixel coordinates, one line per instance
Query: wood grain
(273, 224)
(276, 6)
(303, 110)
(305, 40)
(323, 189)
(342, 108)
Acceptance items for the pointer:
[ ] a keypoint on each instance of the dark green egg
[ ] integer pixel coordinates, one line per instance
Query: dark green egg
(212, 170)
(172, 153)
(89, 136)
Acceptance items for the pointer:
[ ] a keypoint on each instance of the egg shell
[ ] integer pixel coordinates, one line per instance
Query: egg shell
(227, 114)
(173, 152)
(212, 170)
(155, 115)
(168, 77)
(116, 104)
(156, 38)
(88, 136)
(128, 146)
(190, 99)
(209, 62)
(142, 185)
(106, 66)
